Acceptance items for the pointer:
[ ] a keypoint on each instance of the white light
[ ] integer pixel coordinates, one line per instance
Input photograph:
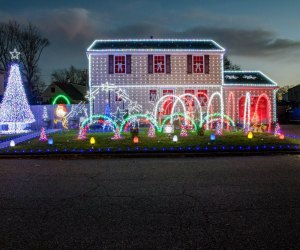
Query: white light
(175, 138)
(12, 143)
(169, 129)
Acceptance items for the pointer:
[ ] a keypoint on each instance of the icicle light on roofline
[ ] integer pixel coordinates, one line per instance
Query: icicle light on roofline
(221, 49)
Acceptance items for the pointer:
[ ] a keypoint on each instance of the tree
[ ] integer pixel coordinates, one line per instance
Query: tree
(15, 110)
(30, 42)
(281, 92)
(70, 75)
(228, 65)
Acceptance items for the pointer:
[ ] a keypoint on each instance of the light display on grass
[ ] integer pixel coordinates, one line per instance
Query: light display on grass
(61, 113)
(43, 135)
(82, 133)
(183, 131)
(219, 128)
(151, 131)
(117, 135)
(45, 115)
(15, 110)
(277, 130)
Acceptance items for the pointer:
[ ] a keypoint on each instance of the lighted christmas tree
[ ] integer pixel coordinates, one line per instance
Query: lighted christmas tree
(45, 114)
(43, 135)
(277, 131)
(15, 110)
(183, 131)
(151, 131)
(82, 133)
(219, 129)
(117, 135)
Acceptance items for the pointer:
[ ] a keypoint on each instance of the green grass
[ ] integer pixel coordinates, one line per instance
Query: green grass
(68, 140)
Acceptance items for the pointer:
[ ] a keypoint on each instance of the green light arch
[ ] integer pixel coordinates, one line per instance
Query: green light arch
(145, 116)
(178, 114)
(217, 115)
(103, 117)
(61, 97)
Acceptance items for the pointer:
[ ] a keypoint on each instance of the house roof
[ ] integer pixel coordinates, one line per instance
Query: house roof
(72, 92)
(247, 78)
(155, 44)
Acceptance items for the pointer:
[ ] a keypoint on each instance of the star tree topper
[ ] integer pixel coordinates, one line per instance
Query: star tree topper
(15, 54)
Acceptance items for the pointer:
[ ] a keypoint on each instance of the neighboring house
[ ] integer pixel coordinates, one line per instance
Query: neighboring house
(293, 94)
(75, 93)
(155, 73)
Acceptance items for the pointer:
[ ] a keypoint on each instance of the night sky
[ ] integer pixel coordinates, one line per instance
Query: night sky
(260, 35)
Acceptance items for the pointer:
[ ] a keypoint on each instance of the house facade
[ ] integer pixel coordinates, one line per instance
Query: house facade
(161, 76)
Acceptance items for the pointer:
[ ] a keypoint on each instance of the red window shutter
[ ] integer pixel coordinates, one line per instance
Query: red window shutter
(206, 64)
(150, 64)
(110, 64)
(128, 64)
(189, 64)
(168, 64)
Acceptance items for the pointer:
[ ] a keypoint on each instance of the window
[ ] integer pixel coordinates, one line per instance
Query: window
(189, 100)
(168, 102)
(53, 90)
(159, 64)
(152, 95)
(198, 64)
(119, 64)
(202, 97)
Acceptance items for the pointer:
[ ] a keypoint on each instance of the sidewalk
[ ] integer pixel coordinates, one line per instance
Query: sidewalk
(26, 138)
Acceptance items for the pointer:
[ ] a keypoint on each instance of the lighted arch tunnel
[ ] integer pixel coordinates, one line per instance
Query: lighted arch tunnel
(210, 118)
(144, 116)
(171, 117)
(90, 120)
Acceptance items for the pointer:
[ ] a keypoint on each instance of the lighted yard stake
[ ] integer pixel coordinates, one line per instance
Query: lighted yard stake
(92, 141)
(175, 138)
(135, 140)
(212, 137)
(12, 143)
(50, 141)
(250, 135)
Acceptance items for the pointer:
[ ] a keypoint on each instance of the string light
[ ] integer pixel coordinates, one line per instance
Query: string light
(15, 110)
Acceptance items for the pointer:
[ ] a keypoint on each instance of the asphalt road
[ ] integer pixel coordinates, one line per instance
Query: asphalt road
(180, 203)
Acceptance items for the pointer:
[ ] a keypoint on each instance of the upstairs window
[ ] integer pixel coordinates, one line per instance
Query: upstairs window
(159, 64)
(198, 64)
(119, 64)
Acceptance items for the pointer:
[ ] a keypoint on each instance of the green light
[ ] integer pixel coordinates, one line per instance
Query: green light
(148, 117)
(62, 97)
(178, 114)
(102, 117)
(217, 115)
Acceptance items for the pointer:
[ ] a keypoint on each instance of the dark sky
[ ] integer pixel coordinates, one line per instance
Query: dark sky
(259, 35)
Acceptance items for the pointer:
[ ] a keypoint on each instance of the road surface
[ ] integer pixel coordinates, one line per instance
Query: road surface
(179, 203)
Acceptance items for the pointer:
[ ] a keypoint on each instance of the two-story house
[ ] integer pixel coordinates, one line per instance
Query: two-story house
(188, 72)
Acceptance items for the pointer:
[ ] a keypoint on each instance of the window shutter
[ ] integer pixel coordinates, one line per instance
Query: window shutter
(189, 64)
(128, 64)
(150, 64)
(168, 64)
(206, 64)
(110, 64)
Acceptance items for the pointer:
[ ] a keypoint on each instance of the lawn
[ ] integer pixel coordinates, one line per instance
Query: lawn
(67, 141)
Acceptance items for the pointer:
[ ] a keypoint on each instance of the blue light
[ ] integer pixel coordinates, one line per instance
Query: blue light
(50, 141)
(212, 137)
